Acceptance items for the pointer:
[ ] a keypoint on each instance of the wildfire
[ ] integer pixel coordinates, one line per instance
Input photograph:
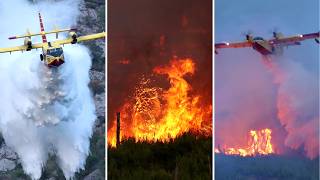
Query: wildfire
(259, 143)
(156, 114)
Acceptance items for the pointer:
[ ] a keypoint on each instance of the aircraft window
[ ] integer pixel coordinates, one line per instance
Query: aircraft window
(55, 52)
(258, 38)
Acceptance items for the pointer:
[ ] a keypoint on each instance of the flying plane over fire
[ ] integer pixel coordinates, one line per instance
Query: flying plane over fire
(272, 46)
(52, 52)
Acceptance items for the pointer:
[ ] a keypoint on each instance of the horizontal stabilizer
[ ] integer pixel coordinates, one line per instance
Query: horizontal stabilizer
(43, 33)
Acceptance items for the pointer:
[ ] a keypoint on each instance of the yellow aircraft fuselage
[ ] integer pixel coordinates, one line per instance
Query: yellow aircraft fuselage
(52, 55)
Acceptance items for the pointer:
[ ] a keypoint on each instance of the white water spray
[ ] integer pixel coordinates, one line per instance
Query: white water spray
(44, 111)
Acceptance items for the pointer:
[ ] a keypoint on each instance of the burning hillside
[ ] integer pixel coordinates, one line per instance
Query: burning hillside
(158, 114)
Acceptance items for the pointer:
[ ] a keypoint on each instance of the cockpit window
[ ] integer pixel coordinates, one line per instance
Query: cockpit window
(258, 38)
(55, 52)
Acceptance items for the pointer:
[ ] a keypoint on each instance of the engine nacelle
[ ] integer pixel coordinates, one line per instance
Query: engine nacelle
(317, 40)
(277, 35)
(28, 43)
(74, 36)
(249, 37)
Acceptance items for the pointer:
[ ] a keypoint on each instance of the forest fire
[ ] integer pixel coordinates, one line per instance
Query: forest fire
(155, 114)
(259, 143)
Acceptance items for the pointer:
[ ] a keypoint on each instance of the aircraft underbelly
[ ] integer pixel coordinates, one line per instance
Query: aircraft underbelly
(262, 48)
(54, 62)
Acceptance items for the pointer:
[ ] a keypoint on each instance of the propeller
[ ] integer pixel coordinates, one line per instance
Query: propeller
(28, 32)
(56, 28)
(247, 34)
(275, 32)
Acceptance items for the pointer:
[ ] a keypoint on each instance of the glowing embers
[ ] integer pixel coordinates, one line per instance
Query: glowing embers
(157, 114)
(259, 143)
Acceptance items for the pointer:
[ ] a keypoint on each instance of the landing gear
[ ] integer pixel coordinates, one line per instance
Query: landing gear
(41, 57)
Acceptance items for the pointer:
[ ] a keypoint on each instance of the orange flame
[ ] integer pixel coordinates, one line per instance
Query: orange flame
(259, 144)
(156, 114)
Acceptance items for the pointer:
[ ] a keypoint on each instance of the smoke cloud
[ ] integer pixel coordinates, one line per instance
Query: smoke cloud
(283, 97)
(44, 111)
(298, 106)
(243, 91)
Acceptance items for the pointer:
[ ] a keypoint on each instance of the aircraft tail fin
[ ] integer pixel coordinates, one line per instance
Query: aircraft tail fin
(42, 32)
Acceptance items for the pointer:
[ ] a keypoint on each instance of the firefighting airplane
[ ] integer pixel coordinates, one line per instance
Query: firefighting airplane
(52, 51)
(272, 46)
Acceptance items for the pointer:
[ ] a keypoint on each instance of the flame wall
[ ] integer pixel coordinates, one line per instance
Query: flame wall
(147, 34)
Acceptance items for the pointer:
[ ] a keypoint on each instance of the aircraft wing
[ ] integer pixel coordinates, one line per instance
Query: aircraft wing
(81, 38)
(295, 39)
(20, 48)
(233, 45)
